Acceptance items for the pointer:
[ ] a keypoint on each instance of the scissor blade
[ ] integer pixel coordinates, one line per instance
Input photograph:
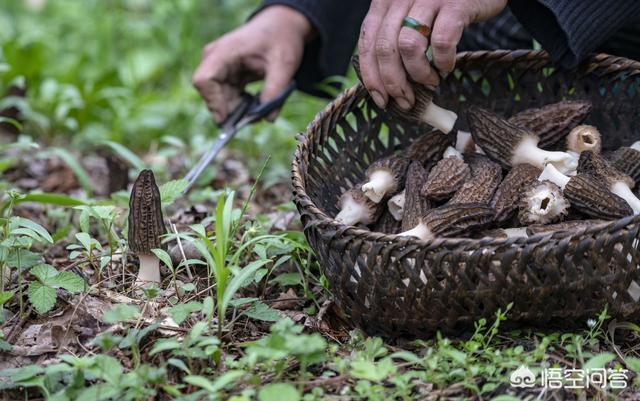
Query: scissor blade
(205, 160)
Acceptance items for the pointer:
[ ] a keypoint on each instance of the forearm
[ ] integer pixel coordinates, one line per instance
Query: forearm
(569, 30)
(337, 26)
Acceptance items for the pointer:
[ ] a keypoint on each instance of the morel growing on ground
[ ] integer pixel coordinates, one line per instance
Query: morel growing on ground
(617, 182)
(583, 138)
(385, 177)
(451, 220)
(552, 122)
(146, 226)
(445, 178)
(356, 208)
(542, 203)
(510, 145)
(588, 195)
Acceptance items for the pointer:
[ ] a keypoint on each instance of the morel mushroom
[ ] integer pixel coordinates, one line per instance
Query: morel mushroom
(385, 177)
(572, 226)
(616, 181)
(415, 205)
(510, 145)
(386, 224)
(465, 143)
(584, 137)
(588, 194)
(428, 148)
(423, 110)
(356, 208)
(542, 203)
(445, 178)
(395, 204)
(451, 220)
(627, 161)
(507, 197)
(146, 226)
(481, 184)
(552, 122)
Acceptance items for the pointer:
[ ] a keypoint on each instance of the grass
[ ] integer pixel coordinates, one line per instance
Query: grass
(246, 315)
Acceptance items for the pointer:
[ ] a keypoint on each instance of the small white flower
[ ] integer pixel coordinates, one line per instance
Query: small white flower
(591, 323)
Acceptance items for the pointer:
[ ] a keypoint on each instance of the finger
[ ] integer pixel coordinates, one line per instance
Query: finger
(278, 74)
(413, 48)
(208, 79)
(392, 72)
(447, 31)
(369, 71)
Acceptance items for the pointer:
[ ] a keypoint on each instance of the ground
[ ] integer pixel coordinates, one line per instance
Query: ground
(95, 91)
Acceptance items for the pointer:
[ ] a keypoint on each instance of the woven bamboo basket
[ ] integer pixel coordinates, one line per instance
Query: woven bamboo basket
(402, 287)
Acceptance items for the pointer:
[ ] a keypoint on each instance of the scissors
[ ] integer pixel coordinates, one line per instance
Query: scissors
(247, 112)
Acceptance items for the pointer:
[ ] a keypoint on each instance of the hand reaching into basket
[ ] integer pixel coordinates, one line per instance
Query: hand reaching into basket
(269, 47)
(395, 36)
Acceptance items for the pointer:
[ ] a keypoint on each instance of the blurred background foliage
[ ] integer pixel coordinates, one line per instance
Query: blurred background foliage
(121, 70)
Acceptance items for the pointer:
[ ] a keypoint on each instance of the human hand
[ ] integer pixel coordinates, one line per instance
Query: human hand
(270, 47)
(390, 54)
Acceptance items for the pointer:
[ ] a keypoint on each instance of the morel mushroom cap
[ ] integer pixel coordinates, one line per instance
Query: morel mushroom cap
(590, 195)
(617, 182)
(571, 226)
(584, 137)
(423, 110)
(627, 161)
(415, 205)
(428, 148)
(146, 226)
(451, 220)
(356, 208)
(552, 122)
(507, 197)
(445, 178)
(395, 204)
(510, 145)
(481, 184)
(543, 203)
(385, 177)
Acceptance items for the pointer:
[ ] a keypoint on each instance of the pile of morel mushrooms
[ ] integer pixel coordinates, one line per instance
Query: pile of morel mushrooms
(537, 171)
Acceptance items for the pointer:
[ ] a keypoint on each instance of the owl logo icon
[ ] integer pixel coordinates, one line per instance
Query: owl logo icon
(523, 377)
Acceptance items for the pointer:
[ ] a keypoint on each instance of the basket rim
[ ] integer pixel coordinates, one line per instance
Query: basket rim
(613, 65)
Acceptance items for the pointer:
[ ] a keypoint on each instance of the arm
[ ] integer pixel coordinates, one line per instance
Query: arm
(337, 23)
(569, 30)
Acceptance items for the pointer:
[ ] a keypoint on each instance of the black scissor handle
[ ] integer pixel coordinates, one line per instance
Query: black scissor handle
(250, 109)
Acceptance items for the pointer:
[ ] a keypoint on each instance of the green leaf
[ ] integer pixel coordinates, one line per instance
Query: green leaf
(26, 223)
(69, 281)
(598, 361)
(260, 311)
(236, 282)
(52, 199)
(288, 279)
(85, 240)
(506, 398)
(178, 363)
(76, 167)
(180, 312)
(44, 272)
(279, 392)
(23, 258)
(633, 363)
(42, 297)
(172, 190)
(5, 296)
(120, 313)
(165, 344)
(164, 257)
(126, 154)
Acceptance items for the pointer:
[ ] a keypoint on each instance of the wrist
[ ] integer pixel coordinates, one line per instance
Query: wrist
(289, 17)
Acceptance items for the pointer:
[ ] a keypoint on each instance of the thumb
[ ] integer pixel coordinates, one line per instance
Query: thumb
(276, 80)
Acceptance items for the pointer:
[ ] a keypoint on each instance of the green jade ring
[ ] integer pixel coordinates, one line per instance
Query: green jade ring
(412, 23)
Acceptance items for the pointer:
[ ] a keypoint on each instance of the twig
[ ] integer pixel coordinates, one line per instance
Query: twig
(14, 329)
(184, 257)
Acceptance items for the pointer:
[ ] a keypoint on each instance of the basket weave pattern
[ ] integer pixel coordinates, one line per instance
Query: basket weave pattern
(399, 286)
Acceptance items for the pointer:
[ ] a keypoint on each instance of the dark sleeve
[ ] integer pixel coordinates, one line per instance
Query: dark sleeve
(338, 25)
(570, 29)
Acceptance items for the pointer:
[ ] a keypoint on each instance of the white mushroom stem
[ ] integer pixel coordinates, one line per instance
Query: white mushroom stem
(420, 231)
(636, 146)
(439, 118)
(149, 272)
(528, 151)
(546, 205)
(396, 206)
(584, 137)
(353, 212)
(451, 152)
(463, 142)
(550, 173)
(380, 183)
(621, 189)
(576, 159)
